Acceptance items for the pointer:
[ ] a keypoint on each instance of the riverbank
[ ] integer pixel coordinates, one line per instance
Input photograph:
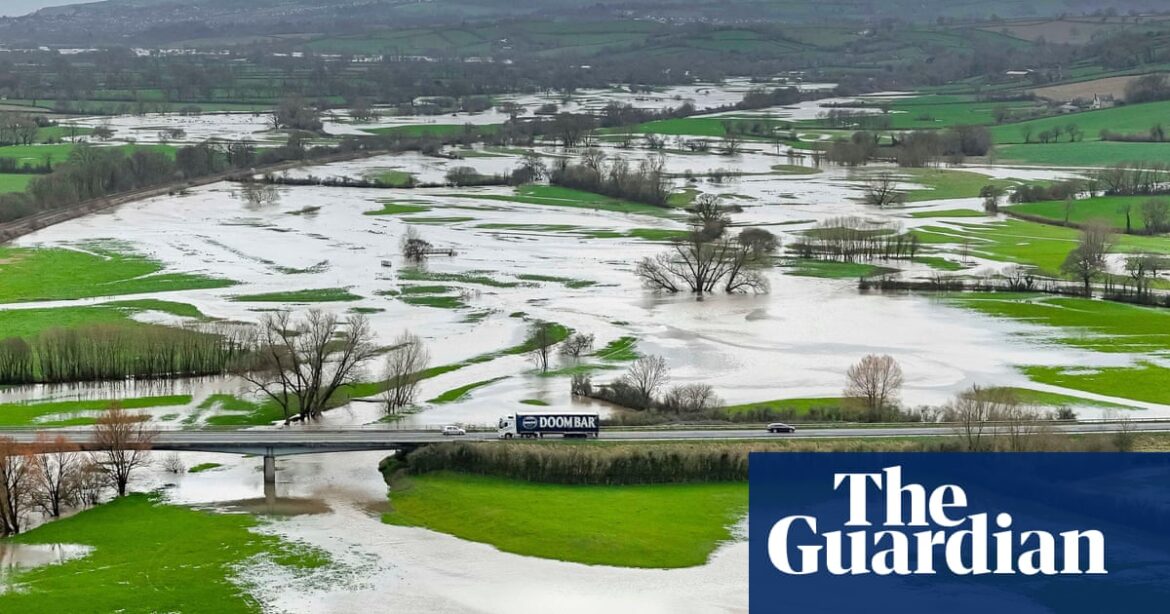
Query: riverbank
(149, 557)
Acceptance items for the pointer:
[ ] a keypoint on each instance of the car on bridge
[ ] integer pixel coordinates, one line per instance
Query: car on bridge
(780, 427)
(451, 429)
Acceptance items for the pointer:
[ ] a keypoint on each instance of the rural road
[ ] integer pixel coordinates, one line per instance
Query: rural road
(303, 441)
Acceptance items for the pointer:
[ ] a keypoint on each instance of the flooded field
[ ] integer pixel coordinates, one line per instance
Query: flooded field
(334, 502)
(520, 261)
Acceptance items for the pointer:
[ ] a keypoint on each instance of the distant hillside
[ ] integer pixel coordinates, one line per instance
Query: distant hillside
(161, 22)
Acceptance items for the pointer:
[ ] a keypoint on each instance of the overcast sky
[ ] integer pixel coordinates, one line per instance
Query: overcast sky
(11, 8)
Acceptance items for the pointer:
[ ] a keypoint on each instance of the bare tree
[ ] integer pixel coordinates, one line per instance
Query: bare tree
(302, 365)
(91, 483)
(405, 363)
(646, 376)
(709, 216)
(122, 443)
(874, 383)
(881, 190)
(577, 344)
(55, 468)
(691, 398)
(15, 485)
(542, 336)
(701, 265)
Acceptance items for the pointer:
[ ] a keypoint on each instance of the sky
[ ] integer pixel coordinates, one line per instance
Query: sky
(12, 8)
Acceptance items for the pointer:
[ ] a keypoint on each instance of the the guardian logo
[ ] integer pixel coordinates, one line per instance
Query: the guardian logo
(924, 532)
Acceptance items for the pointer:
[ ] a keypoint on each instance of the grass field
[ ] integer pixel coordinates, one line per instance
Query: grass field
(942, 184)
(660, 526)
(1145, 382)
(1096, 325)
(798, 406)
(1027, 243)
(456, 394)
(832, 269)
(1137, 118)
(392, 208)
(27, 323)
(81, 412)
(1101, 208)
(103, 269)
(564, 197)
(1083, 153)
(318, 295)
(149, 557)
(15, 182)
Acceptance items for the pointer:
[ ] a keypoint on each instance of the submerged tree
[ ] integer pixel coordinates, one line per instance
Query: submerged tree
(701, 264)
(122, 443)
(542, 336)
(882, 191)
(405, 363)
(302, 365)
(15, 485)
(55, 471)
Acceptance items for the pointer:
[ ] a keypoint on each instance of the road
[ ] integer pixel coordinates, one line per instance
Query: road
(305, 441)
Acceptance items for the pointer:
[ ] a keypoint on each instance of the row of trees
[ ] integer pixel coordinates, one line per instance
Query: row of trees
(915, 149)
(53, 474)
(116, 352)
(643, 387)
(852, 238)
(645, 183)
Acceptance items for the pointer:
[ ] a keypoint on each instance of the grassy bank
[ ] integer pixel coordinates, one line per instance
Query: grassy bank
(93, 269)
(27, 323)
(659, 526)
(149, 557)
(78, 412)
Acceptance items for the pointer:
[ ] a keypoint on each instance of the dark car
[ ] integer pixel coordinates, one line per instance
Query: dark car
(780, 427)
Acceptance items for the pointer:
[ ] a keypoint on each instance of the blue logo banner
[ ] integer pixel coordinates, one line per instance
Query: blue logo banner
(1008, 533)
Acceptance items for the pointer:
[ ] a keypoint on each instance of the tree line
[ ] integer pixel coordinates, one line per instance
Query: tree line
(110, 352)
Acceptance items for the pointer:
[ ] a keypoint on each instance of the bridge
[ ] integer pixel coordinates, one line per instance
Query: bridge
(271, 443)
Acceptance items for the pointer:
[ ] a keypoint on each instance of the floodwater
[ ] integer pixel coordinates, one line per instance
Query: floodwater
(16, 557)
(157, 127)
(334, 502)
(796, 341)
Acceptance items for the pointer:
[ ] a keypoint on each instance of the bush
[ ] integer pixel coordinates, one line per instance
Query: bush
(573, 464)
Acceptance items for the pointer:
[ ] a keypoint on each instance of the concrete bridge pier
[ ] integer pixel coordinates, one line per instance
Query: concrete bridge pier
(269, 468)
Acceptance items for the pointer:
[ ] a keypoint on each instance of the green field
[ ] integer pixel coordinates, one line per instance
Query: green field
(15, 182)
(659, 526)
(27, 323)
(942, 184)
(1027, 243)
(1145, 382)
(1095, 325)
(557, 196)
(150, 557)
(318, 295)
(798, 406)
(92, 269)
(1106, 208)
(832, 269)
(1083, 153)
(79, 412)
(392, 208)
(1138, 118)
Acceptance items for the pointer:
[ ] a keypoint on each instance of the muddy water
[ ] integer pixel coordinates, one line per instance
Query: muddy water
(334, 501)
